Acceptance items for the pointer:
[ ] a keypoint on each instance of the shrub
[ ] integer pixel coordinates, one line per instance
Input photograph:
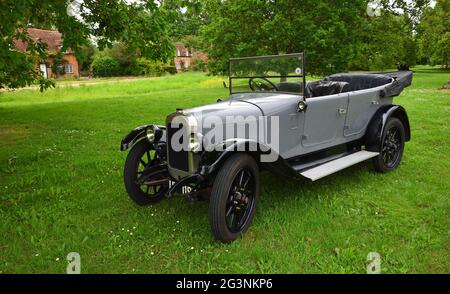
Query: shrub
(135, 69)
(171, 69)
(151, 68)
(197, 64)
(105, 67)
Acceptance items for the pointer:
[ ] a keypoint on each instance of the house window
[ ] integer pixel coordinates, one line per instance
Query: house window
(43, 69)
(69, 68)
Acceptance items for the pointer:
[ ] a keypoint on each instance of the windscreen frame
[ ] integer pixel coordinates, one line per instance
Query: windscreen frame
(301, 76)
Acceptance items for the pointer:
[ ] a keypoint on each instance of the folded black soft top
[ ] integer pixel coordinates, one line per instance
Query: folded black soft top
(396, 81)
(402, 79)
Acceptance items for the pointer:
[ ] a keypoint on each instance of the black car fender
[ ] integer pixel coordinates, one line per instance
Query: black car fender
(136, 135)
(378, 122)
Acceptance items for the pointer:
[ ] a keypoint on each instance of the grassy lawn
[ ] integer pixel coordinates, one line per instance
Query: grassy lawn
(61, 190)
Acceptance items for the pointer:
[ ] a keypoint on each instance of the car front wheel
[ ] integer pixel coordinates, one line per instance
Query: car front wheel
(234, 196)
(392, 146)
(141, 158)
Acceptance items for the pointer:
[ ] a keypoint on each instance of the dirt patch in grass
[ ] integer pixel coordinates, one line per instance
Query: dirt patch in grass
(12, 134)
(446, 86)
(5, 203)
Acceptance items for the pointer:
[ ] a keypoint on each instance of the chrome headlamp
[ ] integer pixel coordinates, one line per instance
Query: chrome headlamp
(195, 142)
(154, 134)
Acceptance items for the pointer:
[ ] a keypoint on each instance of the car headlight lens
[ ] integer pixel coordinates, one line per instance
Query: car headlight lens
(154, 134)
(151, 135)
(195, 142)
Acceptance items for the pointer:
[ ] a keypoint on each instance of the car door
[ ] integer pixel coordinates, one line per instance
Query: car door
(284, 127)
(362, 106)
(324, 122)
(290, 134)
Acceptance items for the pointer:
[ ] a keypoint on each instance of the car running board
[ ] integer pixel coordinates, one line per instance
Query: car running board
(336, 165)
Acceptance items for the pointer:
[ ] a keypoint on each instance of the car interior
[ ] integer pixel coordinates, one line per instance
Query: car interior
(335, 84)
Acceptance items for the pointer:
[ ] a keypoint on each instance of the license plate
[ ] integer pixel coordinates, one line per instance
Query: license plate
(184, 190)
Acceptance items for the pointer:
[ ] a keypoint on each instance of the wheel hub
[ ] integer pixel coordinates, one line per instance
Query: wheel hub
(391, 146)
(240, 202)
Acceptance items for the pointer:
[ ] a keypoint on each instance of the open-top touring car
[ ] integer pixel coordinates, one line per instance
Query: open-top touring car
(273, 120)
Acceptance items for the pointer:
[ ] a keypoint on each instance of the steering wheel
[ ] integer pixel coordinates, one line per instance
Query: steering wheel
(261, 86)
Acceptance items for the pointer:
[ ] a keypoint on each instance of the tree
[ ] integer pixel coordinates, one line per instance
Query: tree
(186, 17)
(105, 66)
(335, 35)
(408, 18)
(325, 30)
(124, 55)
(85, 56)
(385, 43)
(141, 25)
(412, 10)
(434, 34)
(191, 42)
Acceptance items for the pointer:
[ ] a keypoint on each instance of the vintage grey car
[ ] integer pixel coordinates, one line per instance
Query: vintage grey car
(273, 120)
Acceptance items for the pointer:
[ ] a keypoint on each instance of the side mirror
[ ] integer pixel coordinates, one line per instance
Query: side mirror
(302, 106)
(225, 85)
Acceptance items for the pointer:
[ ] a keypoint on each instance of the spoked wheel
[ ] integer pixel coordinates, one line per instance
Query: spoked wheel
(144, 190)
(234, 196)
(392, 146)
(240, 201)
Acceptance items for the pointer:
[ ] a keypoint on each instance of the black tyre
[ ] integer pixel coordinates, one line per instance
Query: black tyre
(234, 196)
(141, 157)
(391, 147)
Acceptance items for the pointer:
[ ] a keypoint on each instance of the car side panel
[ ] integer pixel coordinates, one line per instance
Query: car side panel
(290, 128)
(324, 121)
(361, 108)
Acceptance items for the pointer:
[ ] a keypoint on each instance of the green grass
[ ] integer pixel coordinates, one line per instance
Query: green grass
(61, 190)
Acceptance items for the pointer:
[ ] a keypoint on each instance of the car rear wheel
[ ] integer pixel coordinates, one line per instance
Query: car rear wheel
(391, 147)
(142, 157)
(234, 196)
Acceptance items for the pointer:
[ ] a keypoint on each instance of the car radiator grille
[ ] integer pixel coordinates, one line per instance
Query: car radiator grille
(177, 160)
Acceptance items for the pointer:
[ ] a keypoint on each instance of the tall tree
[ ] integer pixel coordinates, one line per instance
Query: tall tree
(385, 42)
(85, 56)
(336, 35)
(326, 30)
(186, 17)
(408, 18)
(141, 25)
(434, 34)
(412, 10)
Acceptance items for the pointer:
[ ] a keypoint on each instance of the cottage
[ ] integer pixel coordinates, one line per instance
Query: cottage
(53, 39)
(185, 57)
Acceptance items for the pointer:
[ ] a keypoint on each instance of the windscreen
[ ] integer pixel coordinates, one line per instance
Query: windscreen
(284, 73)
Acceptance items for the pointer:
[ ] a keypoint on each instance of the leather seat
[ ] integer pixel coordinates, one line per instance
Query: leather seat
(325, 88)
